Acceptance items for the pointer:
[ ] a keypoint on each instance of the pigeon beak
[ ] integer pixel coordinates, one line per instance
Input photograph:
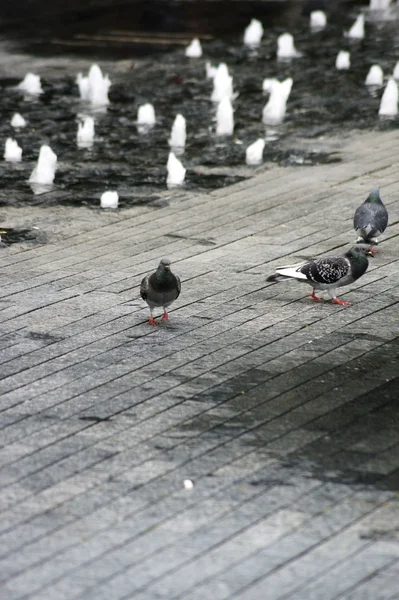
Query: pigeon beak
(167, 267)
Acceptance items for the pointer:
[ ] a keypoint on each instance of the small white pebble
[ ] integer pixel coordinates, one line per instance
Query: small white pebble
(188, 484)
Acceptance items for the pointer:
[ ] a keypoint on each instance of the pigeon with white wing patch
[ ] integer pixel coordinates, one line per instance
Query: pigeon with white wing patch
(327, 273)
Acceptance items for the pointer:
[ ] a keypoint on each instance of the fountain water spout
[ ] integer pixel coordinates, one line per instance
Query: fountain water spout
(286, 47)
(176, 171)
(177, 139)
(210, 71)
(109, 200)
(224, 117)
(194, 50)
(222, 84)
(94, 88)
(375, 76)
(379, 4)
(318, 20)
(389, 100)
(343, 60)
(275, 109)
(145, 117)
(254, 152)
(18, 121)
(12, 152)
(253, 33)
(357, 29)
(85, 135)
(43, 174)
(31, 84)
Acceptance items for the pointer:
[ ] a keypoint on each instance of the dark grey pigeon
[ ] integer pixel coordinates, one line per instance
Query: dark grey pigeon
(160, 289)
(371, 219)
(327, 273)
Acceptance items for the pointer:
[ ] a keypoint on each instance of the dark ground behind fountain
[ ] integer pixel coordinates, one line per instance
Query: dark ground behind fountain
(323, 102)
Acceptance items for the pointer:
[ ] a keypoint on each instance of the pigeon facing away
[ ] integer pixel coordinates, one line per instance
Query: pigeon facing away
(371, 219)
(160, 289)
(327, 273)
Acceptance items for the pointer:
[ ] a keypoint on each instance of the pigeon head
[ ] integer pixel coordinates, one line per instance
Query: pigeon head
(359, 253)
(164, 264)
(374, 196)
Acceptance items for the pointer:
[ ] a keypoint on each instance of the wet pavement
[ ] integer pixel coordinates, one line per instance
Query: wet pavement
(282, 412)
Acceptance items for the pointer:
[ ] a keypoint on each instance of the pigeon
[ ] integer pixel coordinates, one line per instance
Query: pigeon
(371, 219)
(327, 273)
(161, 288)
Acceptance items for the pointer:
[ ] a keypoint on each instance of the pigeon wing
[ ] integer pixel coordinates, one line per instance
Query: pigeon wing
(371, 217)
(178, 286)
(381, 218)
(327, 270)
(144, 288)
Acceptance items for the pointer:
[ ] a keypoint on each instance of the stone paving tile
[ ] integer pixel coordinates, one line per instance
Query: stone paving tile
(281, 411)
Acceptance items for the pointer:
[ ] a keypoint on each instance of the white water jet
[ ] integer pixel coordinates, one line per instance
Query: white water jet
(396, 71)
(318, 20)
(343, 60)
(177, 138)
(210, 70)
(286, 47)
(389, 100)
(85, 134)
(43, 174)
(83, 85)
(357, 29)
(268, 84)
(18, 121)
(275, 109)
(224, 117)
(109, 200)
(379, 4)
(222, 84)
(375, 76)
(176, 171)
(253, 33)
(94, 88)
(12, 152)
(194, 50)
(31, 84)
(254, 152)
(98, 87)
(145, 117)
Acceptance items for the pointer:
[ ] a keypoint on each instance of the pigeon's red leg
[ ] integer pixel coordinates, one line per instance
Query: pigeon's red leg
(341, 302)
(165, 316)
(313, 295)
(152, 321)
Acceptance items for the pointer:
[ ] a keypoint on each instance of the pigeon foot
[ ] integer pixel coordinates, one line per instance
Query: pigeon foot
(152, 321)
(340, 302)
(165, 316)
(313, 295)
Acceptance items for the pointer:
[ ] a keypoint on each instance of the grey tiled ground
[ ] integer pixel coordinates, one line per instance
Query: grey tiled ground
(282, 412)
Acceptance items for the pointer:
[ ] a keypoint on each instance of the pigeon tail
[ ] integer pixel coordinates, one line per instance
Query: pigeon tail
(289, 272)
